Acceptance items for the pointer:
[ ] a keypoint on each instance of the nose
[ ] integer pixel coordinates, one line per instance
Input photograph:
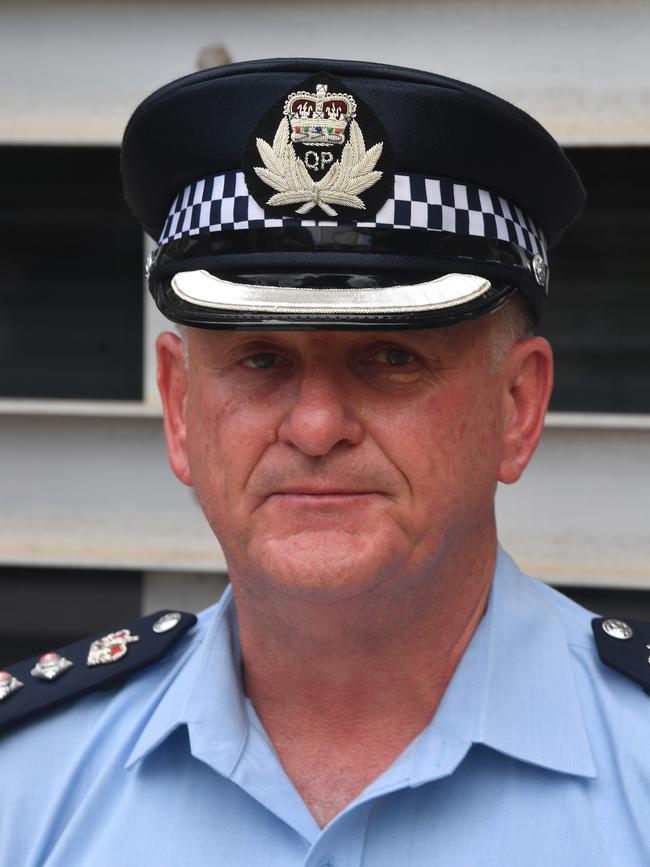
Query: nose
(321, 416)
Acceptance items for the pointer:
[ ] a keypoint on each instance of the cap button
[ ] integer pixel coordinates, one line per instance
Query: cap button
(539, 269)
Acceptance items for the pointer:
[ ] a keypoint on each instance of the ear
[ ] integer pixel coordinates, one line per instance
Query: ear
(172, 384)
(528, 380)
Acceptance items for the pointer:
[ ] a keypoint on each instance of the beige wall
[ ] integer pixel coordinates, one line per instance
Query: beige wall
(73, 71)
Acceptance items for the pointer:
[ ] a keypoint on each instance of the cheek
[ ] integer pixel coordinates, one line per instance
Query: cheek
(448, 448)
(478, 442)
(227, 435)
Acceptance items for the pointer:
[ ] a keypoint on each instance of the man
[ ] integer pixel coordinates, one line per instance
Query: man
(354, 254)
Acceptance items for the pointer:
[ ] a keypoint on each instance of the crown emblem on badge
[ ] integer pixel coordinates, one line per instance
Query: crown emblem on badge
(319, 118)
(318, 157)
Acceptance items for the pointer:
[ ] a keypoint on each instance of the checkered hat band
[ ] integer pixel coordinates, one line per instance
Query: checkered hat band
(222, 203)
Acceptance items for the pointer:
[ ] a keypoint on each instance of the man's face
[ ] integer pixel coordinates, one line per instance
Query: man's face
(328, 462)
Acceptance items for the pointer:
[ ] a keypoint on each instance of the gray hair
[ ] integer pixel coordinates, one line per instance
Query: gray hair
(181, 330)
(511, 323)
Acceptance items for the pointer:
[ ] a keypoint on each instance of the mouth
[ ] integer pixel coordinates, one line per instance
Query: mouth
(313, 508)
(322, 491)
(307, 496)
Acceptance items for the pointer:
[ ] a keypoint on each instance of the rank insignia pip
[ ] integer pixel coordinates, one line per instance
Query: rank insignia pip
(111, 647)
(319, 153)
(8, 685)
(50, 666)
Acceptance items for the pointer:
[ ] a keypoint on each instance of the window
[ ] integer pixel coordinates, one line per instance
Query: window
(71, 288)
(598, 318)
(43, 609)
(71, 293)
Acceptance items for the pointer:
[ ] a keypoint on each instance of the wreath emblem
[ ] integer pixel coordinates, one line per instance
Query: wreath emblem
(285, 172)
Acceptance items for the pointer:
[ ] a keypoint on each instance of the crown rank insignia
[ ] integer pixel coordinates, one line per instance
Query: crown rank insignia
(319, 153)
(111, 647)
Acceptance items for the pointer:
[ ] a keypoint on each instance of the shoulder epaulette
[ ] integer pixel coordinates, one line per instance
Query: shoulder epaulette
(624, 645)
(40, 683)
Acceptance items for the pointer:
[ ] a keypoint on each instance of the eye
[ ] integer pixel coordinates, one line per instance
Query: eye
(262, 360)
(397, 365)
(391, 364)
(395, 357)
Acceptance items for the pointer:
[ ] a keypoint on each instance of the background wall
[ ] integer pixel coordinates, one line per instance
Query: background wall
(73, 71)
(84, 483)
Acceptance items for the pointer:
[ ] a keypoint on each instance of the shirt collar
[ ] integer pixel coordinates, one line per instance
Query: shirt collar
(513, 690)
(203, 692)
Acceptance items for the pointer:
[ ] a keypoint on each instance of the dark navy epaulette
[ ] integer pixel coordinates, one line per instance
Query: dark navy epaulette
(40, 683)
(624, 645)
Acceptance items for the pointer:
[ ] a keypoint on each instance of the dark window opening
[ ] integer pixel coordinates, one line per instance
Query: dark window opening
(598, 316)
(71, 293)
(609, 602)
(71, 289)
(44, 608)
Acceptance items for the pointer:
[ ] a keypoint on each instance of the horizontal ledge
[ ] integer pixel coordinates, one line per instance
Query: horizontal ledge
(598, 420)
(145, 409)
(558, 575)
(108, 560)
(588, 575)
(81, 408)
(17, 133)
(567, 132)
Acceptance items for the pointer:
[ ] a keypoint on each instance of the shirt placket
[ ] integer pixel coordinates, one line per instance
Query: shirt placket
(342, 842)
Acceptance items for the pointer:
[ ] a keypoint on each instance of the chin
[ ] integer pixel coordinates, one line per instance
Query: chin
(323, 565)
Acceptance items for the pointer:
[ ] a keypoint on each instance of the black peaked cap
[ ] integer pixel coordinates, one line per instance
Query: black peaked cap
(199, 125)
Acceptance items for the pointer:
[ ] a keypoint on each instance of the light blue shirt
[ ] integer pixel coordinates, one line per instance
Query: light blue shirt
(538, 755)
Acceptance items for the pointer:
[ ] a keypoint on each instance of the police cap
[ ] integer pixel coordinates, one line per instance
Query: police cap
(341, 194)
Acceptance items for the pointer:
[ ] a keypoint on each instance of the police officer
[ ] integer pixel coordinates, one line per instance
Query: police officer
(355, 254)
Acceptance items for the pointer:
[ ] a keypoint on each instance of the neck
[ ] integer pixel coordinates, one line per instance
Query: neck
(365, 675)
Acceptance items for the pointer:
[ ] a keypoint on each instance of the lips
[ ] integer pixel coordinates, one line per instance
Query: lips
(331, 502)
(355, 481)
(322, 492)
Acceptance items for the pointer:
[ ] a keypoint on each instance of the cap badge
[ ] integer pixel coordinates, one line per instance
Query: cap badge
(316, 159)
(111, 647)
(50, 666)
(8, 685)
